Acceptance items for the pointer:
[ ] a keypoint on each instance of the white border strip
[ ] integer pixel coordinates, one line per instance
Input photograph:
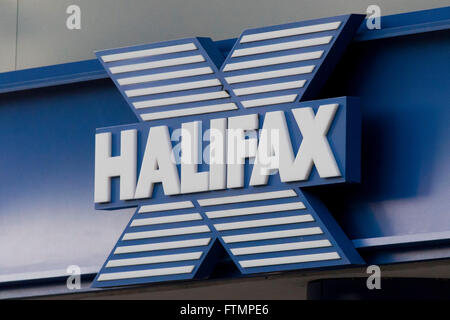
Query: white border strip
(282, 46)
(248, 197)
(154, 259)
(290, 32)
(268, 101)
(149, 52)
(163, 246)
(166, 206)
(165, 76)
(288, 260)
(188, 111)
(270, 74)
(269, 87)
(181, 99)
(166, 219)
(272, 61)
(144, 273)
(156, 64)
(255, 210)
(173, 87)
(165, 232)
(263, 222)
(273, 235)
(282, 247)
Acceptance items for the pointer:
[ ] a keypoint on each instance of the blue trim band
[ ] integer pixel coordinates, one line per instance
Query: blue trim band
(409, 239)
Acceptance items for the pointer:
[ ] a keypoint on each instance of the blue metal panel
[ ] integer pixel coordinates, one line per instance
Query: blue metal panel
(403, 86)
(47, 219)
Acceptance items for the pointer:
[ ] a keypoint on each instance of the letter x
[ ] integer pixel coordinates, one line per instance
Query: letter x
(268, 228)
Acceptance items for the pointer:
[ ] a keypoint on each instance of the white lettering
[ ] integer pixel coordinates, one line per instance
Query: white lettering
(157, 165)
(123, 166)
(191, 179)
(239, 148)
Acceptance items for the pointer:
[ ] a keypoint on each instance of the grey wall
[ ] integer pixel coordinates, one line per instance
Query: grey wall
(8, 18)
(43, 39)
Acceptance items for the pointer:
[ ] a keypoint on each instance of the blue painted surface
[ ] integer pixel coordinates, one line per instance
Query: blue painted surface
(343, 138)
(404, 88)
(47, 216)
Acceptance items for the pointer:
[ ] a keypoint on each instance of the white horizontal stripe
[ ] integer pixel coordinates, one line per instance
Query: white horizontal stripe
(181, 99)
(154, 259)
(248, 197)
(165, 232)
(282, 46)
(272, 61)
(269, 87)
(144, 273)
(263, 222)
(149, 52)
(163, 245)
(268, 101)
(173, 87)
(287, 260)
(273, 235)
(270, 74)
(188, 111)
(156, 64)
(166, 206)
(166, 219)
(165, 76)
(255, 210)
(282, 247)
(290, 32)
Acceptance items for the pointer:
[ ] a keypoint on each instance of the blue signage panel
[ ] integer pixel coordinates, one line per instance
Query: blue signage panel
(223, 149)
